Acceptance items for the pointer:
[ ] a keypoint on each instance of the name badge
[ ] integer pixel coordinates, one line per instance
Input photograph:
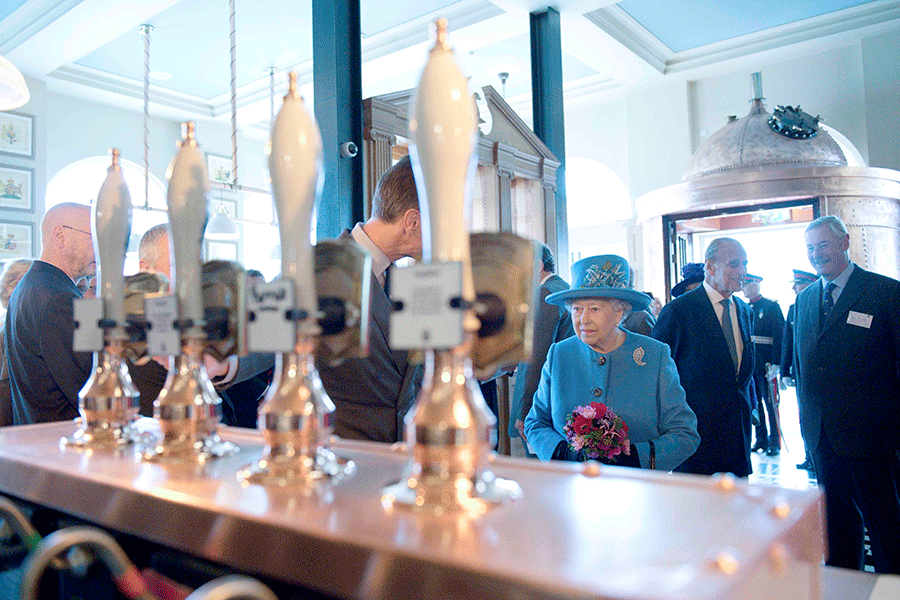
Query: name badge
(859, 319)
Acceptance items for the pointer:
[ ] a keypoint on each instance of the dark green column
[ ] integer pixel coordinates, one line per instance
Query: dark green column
(549, 125)
(337, 67)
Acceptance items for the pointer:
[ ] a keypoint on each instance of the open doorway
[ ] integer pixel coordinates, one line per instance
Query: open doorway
(772, 235)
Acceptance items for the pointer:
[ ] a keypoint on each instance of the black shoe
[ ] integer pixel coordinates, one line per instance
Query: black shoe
(773, 451)
(807, 465)
(758, 447)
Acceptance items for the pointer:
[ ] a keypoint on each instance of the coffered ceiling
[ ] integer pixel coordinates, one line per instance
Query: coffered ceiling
(94, 49)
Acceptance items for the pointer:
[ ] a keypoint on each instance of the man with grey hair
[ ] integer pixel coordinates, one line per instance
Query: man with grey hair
(153, 251)
(708, 331)
(847, 360)
(45, 373)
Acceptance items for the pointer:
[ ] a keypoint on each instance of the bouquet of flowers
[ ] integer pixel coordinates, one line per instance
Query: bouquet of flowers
(597, 432)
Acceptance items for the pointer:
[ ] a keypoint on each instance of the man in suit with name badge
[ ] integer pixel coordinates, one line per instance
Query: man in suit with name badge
(373, 394)
(847, 361)
(708, 331)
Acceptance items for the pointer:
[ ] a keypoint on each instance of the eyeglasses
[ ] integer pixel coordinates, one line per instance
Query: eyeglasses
(78, 230)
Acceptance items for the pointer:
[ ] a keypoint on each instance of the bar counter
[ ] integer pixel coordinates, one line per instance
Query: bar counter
(623, 534)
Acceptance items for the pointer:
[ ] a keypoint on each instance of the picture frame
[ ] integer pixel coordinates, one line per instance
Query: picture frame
(219, 168)
(17, 134)
(218, 250)
(16, 240)
(16, 188)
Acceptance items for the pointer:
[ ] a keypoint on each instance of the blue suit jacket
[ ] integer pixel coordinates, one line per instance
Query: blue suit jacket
(848, 369)
(638, 381)
(720, 398)
(45, 373)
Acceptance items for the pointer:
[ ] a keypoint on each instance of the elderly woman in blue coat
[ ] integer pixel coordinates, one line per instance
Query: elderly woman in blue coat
(633, 375)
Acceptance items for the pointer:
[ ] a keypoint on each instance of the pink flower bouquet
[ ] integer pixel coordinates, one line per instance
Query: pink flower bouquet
(597, 432)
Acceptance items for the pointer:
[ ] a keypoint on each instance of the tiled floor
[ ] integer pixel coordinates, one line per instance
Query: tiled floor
(782, 470)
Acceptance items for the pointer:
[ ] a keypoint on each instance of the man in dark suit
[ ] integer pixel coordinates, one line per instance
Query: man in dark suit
(45, 373)
(847, 360)
(372, 394)
(716, 371)
(768, 327)
(552, 324)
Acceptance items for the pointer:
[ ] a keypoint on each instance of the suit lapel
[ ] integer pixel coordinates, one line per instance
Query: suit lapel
(851, 292)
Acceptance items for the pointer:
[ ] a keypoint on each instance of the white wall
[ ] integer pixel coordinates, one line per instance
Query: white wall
(880, 58)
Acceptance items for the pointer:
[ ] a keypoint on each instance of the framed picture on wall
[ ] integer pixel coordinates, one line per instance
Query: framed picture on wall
(219, 168)
(16, 240)
(221, 250)
(16, 187)
(17, 134)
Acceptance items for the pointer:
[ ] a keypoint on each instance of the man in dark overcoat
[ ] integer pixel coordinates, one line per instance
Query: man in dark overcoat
(709, 333)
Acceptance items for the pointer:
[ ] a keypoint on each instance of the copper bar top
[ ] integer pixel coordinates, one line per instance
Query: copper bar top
(626, 533)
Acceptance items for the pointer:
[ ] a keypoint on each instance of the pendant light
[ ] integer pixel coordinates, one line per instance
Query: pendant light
(222, 226)
(13, 90)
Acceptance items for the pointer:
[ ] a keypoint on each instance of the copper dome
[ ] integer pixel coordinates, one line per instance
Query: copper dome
(751, 144)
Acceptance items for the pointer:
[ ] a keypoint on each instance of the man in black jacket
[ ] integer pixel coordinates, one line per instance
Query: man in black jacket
(46, 374)
(716, 371)
(768, 327)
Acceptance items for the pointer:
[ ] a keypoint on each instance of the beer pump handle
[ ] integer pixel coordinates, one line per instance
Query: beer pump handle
(443, 126)
(295, 165)
(112, 230)
(187, 199)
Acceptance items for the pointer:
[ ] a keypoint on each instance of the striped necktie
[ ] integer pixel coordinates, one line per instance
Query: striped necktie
(728, 331)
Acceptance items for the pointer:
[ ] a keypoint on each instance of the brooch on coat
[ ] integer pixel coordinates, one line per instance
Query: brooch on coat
(638, 357)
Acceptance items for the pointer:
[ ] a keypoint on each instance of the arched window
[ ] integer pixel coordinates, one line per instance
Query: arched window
(80, 182)
(597, 201)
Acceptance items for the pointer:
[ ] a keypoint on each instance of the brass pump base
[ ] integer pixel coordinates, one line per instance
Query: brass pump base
(473, 496)
(295, 419)
(449, 434)
(188, 410)
(108, 406)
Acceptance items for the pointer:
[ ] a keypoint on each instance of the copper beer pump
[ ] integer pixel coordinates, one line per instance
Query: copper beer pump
(449, 429)
(295, 417)
(108, 402)
(188, 408)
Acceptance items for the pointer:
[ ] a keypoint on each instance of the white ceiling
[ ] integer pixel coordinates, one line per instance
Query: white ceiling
(93, 48)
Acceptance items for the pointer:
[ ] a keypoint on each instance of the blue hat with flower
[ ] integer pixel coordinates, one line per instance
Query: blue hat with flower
(690, 273)
(604, 276)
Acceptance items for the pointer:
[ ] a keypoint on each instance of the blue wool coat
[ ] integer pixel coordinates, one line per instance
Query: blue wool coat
(638, 381)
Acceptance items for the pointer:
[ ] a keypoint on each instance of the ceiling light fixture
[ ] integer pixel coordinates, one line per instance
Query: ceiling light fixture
(503, 75)
(222, 226)
(13, 89)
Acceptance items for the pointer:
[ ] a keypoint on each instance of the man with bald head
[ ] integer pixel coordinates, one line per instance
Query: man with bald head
(709, 332)
(45, 373)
